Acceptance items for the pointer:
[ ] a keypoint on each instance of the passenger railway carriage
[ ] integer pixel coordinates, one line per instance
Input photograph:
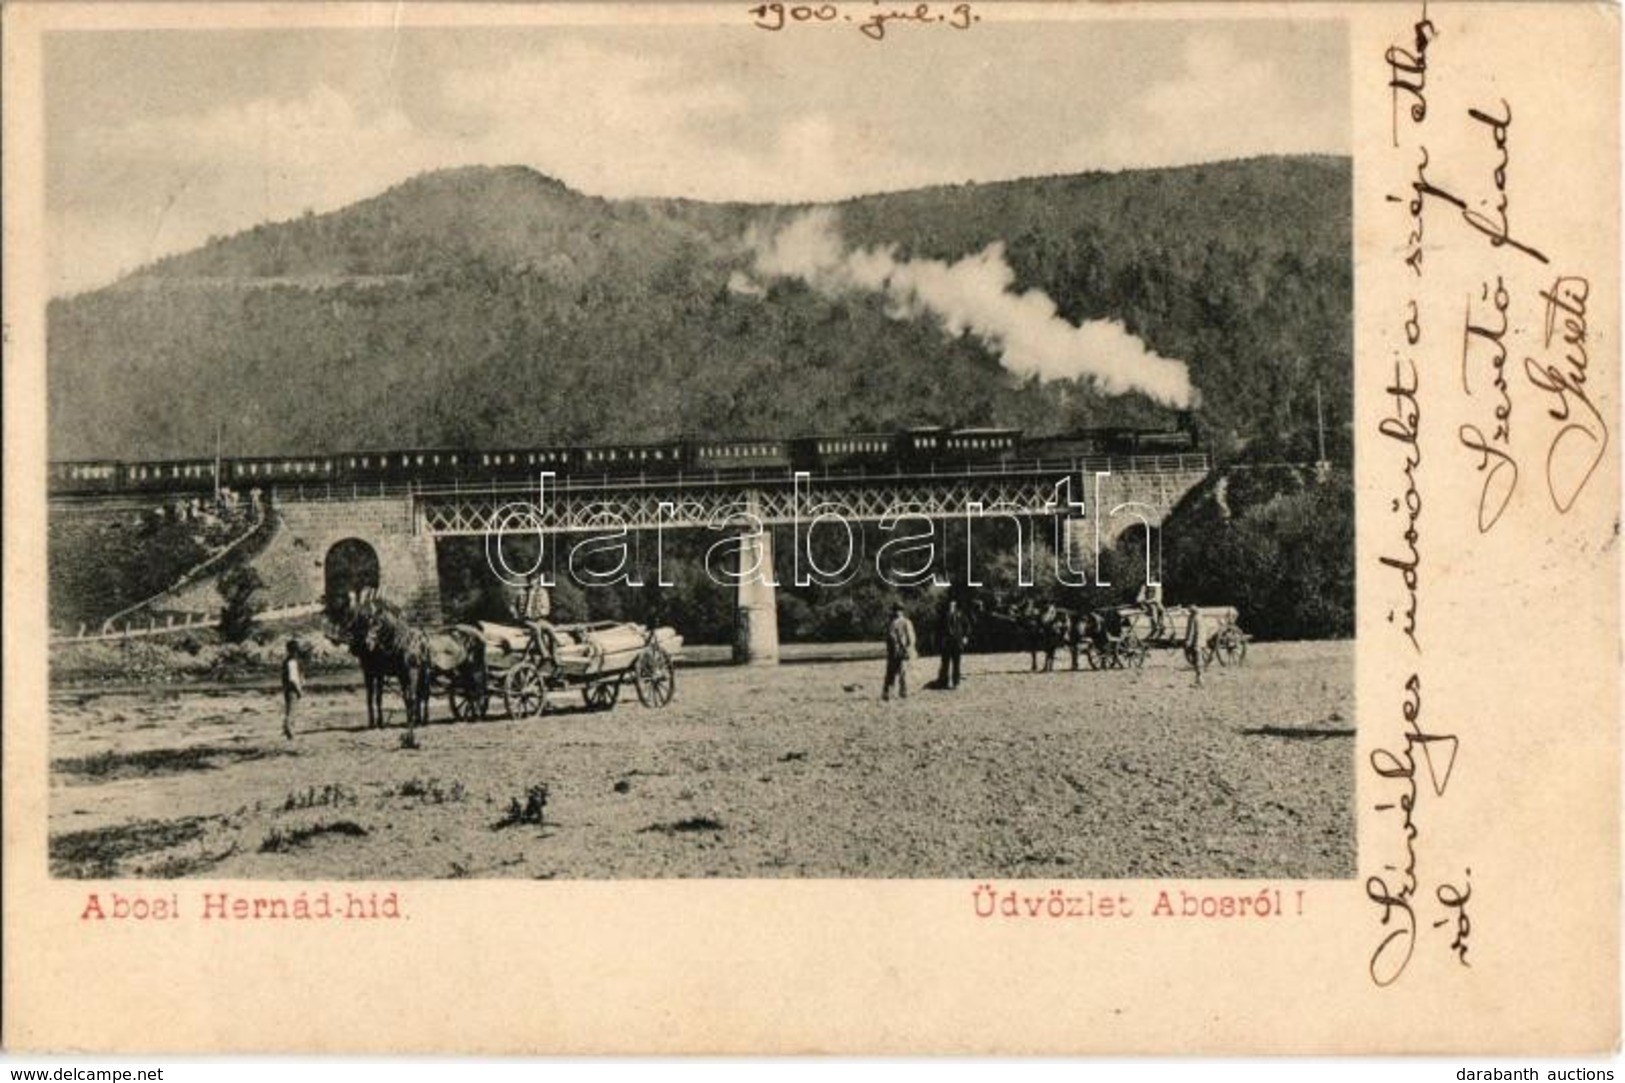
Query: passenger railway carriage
(164, 477)
(918, 449)
(263, 472)
(520, 462)
(630, 459)
(727, 455)
(100, 476)
(979, 445)
(857, 450)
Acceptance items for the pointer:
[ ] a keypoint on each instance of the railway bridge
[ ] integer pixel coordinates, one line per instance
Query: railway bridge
(387, 537)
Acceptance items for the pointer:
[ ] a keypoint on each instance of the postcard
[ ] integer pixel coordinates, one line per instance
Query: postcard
(846, 528)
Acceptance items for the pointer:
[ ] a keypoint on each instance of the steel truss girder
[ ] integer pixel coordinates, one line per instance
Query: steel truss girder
(676, 506)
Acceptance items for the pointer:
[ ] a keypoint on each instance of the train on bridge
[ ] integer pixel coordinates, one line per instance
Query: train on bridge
(924, 449)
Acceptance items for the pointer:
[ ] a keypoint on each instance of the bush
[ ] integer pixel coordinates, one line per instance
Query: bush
(1283, 555)
(239, 589)
(533, 811)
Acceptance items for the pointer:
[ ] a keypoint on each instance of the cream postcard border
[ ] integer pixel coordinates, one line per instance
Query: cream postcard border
(1519, 662)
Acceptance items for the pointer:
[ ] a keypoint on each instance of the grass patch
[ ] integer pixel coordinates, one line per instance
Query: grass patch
(1304, 734)
(691, 824)
(177, 866)
(112, 766)
(431, 792)
(95, 854)
(330, 796)
(533, 811)
(281, 842)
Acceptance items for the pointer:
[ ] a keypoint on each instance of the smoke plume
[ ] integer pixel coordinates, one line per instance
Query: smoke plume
(973, 294)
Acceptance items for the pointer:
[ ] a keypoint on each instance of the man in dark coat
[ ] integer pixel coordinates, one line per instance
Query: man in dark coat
(955, 634)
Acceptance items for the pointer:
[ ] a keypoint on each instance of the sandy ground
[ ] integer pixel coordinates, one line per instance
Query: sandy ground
(794, 771)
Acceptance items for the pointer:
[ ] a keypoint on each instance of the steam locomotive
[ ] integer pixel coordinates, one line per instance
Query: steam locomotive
(916, 449)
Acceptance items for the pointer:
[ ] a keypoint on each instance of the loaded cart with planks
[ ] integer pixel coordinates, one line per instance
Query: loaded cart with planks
(529, 667)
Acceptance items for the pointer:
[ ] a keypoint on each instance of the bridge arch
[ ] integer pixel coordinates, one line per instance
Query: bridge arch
(350, 565)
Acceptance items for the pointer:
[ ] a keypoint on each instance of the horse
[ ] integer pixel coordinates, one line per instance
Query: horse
(398, 650)
(1046, 628)
(387, 646)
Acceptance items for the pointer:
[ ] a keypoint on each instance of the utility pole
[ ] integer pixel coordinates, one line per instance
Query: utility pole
(1322, 467)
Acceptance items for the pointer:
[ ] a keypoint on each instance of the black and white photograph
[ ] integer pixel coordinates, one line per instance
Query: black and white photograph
(840, 443)
(861, 529)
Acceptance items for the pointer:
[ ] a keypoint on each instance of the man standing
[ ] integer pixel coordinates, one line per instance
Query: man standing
(955, 633)
(1193, 642)
(534, 605)
(293, 687)
(1150, 599)
(899, 651)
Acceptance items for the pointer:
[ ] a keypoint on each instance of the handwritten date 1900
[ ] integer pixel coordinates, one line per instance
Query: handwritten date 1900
(871, 20)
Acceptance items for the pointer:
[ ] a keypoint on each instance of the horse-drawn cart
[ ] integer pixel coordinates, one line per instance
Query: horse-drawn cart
(1219, 630)
(1108, 639)
(525, 666)
(1122, 637)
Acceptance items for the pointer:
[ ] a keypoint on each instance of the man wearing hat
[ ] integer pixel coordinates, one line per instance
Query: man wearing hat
(900, 644)
(533, 605)
(955, 631)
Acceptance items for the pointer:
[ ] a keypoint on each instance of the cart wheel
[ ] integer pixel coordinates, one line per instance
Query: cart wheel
(1230, 647)
(466, 704)
(1134, 652)
(524, 692)
(654, 677)
(601, 696)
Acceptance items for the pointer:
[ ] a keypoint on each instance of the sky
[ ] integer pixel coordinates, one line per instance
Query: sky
(157, 140)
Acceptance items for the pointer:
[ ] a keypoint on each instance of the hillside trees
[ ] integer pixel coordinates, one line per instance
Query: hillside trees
(494, 306)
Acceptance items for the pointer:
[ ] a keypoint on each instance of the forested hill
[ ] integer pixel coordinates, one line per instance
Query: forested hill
(495, 306)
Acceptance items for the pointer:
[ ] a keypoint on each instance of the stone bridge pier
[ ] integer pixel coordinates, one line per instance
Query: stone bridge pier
(1121, 503)
(407, 571)
(361, 541)
(756, 606)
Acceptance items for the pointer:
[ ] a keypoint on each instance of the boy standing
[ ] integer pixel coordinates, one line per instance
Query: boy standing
(293, 686)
